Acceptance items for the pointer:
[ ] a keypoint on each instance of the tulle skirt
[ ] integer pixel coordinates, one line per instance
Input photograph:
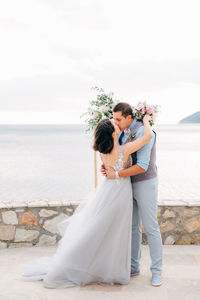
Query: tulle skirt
(96, 242)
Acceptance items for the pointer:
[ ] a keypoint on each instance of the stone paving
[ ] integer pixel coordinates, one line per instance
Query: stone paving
(181, 273)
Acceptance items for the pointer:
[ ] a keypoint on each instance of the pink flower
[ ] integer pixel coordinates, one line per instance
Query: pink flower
(150, 109)
(95, 114)
(127, 131)
(140, 106)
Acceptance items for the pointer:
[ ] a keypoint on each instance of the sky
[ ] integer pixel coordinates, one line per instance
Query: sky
(54, 51)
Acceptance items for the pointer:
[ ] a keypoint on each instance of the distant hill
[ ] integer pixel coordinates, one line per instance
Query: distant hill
(194, 118)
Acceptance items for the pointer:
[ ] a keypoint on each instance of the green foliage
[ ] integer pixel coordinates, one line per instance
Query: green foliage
(100, 108)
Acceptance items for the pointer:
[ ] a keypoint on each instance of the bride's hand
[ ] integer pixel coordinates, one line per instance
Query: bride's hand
(147, 118)
(103, 170)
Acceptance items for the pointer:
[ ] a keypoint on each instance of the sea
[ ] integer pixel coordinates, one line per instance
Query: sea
(56, 162)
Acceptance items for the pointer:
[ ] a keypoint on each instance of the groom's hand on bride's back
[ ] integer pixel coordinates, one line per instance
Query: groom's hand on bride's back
(110, 173)
(103, 170)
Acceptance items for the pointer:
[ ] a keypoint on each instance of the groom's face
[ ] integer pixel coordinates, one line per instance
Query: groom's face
(121, 121)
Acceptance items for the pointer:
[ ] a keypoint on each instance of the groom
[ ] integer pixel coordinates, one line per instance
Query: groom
(145, 190)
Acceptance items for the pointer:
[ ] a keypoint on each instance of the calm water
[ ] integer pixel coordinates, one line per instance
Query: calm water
(39, 162)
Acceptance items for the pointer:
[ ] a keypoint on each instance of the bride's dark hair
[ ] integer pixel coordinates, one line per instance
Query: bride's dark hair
(103, 139)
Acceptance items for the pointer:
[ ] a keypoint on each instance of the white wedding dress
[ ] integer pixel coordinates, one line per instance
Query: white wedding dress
(96, 240)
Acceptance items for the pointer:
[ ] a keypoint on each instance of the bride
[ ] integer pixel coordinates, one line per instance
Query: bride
(96, 244)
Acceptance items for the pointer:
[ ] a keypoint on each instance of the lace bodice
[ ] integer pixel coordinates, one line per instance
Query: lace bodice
(121, 163)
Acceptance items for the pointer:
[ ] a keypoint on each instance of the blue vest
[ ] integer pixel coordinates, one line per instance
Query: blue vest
(151, 172)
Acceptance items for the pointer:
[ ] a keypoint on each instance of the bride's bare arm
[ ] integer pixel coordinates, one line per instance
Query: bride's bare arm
(141, 141)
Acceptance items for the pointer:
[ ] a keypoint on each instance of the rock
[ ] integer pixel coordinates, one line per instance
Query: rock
(196, 238)
(69, 211)
(19, 210)
(178, 229)
(3, 245)
(166, 226)
(7, 232)
(143, 228)
(180, 211)
(144, 239)
(51, 225)
(9, 217)
(193, 118)
(184, 240)
(75, 206)
(188, 212)
(19, 245)
(28, 218)
(170, 240)
(26, 235)
(178, 220)
(46, 240)
(191, 225)
(158, 212)
(47, 213)
(168, 214)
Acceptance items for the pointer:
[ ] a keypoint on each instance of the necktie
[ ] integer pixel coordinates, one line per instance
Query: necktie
(120, 138)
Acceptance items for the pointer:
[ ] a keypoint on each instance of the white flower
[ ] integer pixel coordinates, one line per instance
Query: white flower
(110, 95)
(104, 108)
(134, 110)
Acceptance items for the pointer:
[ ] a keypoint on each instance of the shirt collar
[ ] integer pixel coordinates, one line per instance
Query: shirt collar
(132, 124)
(130, 127)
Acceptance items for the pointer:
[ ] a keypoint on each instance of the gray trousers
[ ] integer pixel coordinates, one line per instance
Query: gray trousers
(145, 195)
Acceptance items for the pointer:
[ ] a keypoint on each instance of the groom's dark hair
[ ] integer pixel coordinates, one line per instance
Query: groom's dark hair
(125, 109)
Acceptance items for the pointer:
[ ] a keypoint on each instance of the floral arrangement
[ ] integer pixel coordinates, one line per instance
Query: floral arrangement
(102, 106)
(99, 109)
(131, 136)
(143, 108)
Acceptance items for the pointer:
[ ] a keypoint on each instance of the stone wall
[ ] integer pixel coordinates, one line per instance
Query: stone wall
(179, 225)
(36, 226)
(32, 226)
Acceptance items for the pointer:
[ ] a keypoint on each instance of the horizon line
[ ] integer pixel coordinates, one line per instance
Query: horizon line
(1, 124)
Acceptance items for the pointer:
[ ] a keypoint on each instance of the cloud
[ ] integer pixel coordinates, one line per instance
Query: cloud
(11, 23)
(149, 75)
(52, 52)
(55, 92)
(42, 93)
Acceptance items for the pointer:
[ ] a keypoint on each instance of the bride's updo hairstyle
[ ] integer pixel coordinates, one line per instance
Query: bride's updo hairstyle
(103, 139)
